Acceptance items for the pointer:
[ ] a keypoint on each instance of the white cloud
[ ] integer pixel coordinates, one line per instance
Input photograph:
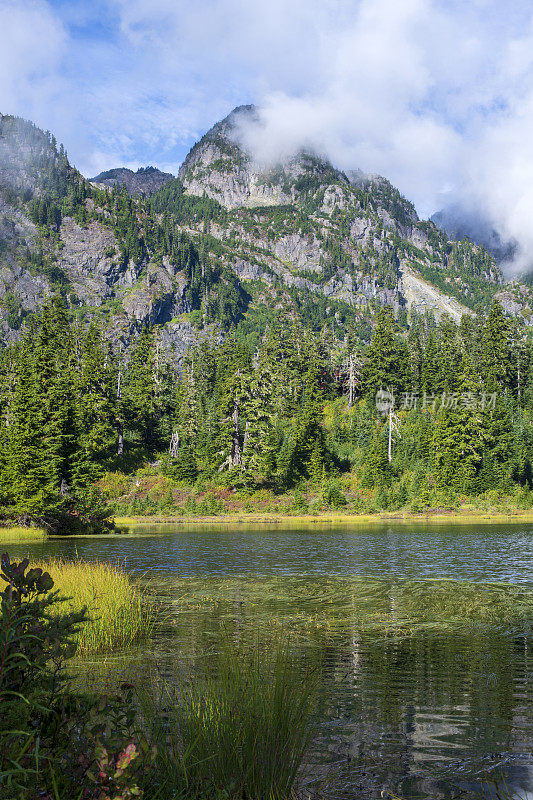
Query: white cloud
(435, 94)
(32, 46)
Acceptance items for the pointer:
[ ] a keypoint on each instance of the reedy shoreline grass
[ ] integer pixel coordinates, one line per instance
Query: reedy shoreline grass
(244, 518)
(238, 729)
(119, 612)
(14, 534)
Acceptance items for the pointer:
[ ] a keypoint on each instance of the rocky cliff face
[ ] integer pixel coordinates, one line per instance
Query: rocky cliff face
(357, 226)
(219, 166)
(301, 235)
(145, 181)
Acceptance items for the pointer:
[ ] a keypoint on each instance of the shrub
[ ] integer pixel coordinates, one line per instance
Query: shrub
(299, 501)
(114, 485)
(54, 745)
(332, 494)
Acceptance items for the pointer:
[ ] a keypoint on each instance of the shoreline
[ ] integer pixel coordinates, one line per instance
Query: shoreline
(348, 519)
(14, 534)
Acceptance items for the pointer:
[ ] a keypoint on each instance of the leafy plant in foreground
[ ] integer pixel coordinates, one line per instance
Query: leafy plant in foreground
(34, 645)
(55, 745)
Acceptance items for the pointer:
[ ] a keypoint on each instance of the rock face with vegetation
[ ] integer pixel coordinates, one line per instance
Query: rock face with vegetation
(235, 327)
(224, 242)
(145, 181)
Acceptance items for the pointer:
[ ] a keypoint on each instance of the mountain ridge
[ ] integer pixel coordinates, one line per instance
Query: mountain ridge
(224, 243)
(145, 181)
(459, 223)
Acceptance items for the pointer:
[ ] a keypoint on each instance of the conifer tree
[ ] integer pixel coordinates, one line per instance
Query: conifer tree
(430, 366)
(377, 471)
(449, 356)
(95, 391)
(387, 360)
(138, 403)
(459, 436)
(495, 349)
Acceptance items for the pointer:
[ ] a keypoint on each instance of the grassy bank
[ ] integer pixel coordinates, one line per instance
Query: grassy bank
(430, 517)
(147, 493)
(119, 613)
(18, 534)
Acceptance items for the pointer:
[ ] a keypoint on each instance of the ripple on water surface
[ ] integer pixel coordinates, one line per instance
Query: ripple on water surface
(425, 659)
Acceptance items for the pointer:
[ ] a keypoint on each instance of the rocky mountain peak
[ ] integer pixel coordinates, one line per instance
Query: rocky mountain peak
(145, 181)
(228, 237)
(220, 166)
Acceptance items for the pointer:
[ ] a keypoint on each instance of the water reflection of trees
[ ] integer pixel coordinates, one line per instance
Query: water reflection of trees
(406, 706)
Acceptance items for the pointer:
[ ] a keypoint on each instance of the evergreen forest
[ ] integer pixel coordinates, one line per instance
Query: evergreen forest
(298, 415)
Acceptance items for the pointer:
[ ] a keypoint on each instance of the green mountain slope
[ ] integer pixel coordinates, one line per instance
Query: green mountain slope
(226, 243)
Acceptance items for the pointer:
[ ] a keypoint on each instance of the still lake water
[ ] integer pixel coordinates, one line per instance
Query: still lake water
(420, 694)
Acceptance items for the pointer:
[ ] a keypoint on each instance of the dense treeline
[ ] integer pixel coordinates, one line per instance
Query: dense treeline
(453, 415)
(461, 414)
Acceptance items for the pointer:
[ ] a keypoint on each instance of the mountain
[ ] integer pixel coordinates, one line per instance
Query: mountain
(460, 223)
(227, 243)
(145, 181)
(362, 241)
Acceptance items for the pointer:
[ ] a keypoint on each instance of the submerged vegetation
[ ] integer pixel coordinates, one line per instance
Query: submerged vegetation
(241, 731)
(332, 605)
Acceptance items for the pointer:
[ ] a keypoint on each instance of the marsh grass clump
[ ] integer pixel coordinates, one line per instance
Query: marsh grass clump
(241, 730)
(15, 533)
(497, 788)
(119, 613)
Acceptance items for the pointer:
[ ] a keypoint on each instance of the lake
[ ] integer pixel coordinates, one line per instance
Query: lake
(418, 631)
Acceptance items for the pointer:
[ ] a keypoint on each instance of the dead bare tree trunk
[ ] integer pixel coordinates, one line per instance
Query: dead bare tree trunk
(351, 371)
(236, 445)
(120, 424)
(174, 445)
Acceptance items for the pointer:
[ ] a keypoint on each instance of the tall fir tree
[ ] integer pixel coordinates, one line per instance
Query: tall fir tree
(387, 364)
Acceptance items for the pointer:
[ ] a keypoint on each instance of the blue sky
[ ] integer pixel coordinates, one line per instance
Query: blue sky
(437, 96)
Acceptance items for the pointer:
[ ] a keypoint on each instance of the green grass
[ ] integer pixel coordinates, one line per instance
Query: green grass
(466, 517)
(498, 789)
(119, 613)
(240, 730)
(14, 534)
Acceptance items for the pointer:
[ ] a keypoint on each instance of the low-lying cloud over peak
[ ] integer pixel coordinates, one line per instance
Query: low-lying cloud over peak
(436, 96)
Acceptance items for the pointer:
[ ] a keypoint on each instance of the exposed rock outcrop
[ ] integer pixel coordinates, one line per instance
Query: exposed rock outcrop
(287, 232)
(145, 181)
